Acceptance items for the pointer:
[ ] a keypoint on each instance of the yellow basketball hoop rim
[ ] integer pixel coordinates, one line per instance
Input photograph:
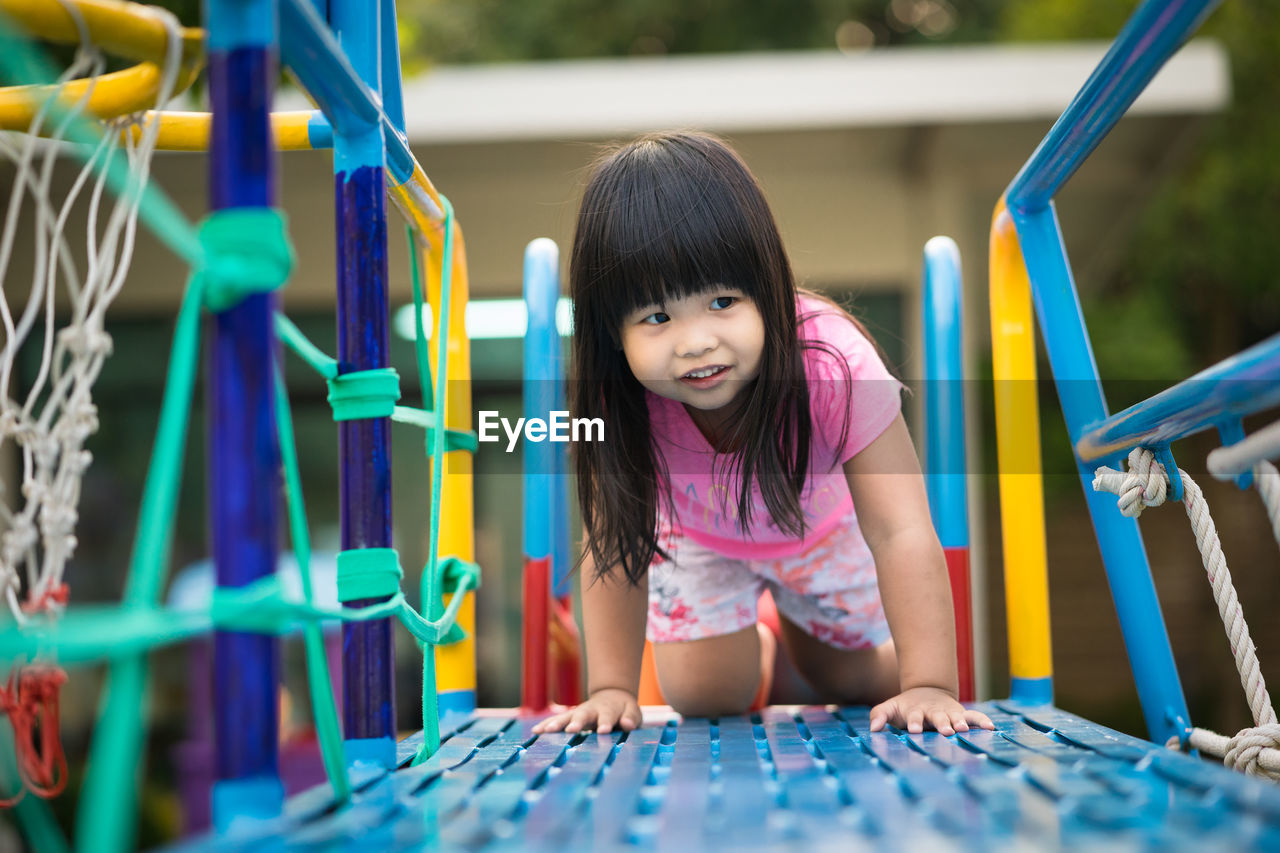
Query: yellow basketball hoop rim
(122, 29)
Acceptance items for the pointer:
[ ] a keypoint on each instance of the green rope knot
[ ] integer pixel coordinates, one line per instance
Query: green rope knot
(458, 574)
(368, 573)
(246, 251)
(364, 394)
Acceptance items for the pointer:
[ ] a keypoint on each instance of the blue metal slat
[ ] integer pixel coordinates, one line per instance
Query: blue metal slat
(677, 824)
(491, 811)
(951, 808)
(884, 809)
(738, 813)
(809, 803)
(620, 791)
(553, 814)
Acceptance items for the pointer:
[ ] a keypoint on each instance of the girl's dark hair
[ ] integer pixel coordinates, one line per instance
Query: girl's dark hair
(667, 216)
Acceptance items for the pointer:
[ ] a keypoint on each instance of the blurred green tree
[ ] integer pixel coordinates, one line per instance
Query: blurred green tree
(450, 31)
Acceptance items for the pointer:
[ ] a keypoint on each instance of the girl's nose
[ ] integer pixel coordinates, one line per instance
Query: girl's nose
(696, 340)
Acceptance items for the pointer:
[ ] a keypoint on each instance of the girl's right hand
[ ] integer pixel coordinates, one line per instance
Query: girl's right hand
(602, 711)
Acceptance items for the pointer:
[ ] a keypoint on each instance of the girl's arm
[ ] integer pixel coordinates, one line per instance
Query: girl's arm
(613, 623)
(893, 514)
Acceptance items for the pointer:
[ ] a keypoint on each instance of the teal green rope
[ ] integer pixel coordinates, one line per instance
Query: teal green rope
(107, 804)
(432, 598)
(324, 708)
(368, 573)
(90, 634)
(246, 251)
(364, 394)
(419, 335)
(304, 349)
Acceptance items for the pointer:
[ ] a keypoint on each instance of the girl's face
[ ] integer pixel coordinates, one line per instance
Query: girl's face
(700, 350)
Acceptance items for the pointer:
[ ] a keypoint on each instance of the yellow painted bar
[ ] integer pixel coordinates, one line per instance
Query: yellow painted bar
(181, 131)
(1013, 353)
(116, 94)
(127, 30)
(419, 202)
(456, 664)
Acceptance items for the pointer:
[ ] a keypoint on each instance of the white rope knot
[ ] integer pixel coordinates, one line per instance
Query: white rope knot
(1144, 484)
(1255, 751)
(86, 341)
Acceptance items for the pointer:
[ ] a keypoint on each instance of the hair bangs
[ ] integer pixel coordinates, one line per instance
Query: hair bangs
(668, 224)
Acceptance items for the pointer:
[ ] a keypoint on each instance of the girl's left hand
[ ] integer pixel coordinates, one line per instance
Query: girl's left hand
(920, 706)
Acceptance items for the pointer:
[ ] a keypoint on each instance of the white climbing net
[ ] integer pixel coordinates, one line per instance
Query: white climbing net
(47, 423)
(1255, 750)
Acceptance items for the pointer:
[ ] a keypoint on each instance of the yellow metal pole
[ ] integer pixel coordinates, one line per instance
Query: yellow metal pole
(1017, 412)
(183, 131)
(456, 663)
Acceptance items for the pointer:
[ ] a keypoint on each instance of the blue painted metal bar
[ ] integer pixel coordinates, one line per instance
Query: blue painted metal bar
(1245, 383)
(944, 393)
(243, 448)
(351, 104)
(1154, 32)
(1075, 374)
(392, 92)
(364, 446)
(541, 375)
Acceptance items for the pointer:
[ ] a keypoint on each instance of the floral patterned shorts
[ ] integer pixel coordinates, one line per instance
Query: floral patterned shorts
(829, 591)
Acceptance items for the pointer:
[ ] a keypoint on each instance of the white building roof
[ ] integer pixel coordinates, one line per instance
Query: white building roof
(766, 91)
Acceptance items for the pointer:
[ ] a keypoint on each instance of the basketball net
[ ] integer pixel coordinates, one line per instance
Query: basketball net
(44, 425)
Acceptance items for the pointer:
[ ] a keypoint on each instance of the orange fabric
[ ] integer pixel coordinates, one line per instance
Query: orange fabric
(650, 692)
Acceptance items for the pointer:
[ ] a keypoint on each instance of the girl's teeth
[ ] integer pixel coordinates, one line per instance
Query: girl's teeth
(702, 374)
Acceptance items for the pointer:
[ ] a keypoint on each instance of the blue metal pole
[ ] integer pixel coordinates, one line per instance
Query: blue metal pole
(1152, 34)
(348, 97)
(1241, 385)
(1128, 572)
(364, 446)
(243, 449)
(541, 375)
(944, 393)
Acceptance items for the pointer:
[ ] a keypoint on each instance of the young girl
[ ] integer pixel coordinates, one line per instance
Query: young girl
(744, 422)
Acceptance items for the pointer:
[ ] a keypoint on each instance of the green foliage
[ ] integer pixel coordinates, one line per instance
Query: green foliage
(451, 31)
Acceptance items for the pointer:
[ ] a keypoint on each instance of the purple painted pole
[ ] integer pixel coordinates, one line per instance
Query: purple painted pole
(364, 446)
(243, 449)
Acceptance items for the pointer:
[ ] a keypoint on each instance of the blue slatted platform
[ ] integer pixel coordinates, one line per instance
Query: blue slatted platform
(786, 779)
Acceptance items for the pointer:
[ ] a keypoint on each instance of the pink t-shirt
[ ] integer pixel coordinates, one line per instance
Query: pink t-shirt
(706, 507)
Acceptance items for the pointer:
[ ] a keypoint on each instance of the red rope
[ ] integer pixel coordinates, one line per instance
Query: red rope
(56, 595)
(30, 700)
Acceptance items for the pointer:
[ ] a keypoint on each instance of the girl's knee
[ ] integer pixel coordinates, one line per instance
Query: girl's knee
(713, 677)
(853, 677)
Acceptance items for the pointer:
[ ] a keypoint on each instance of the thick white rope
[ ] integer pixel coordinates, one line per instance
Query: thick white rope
(1232, 460)
(1256, 750)
(51, 425)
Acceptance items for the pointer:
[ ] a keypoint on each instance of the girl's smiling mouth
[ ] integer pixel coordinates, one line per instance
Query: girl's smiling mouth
(705, 377)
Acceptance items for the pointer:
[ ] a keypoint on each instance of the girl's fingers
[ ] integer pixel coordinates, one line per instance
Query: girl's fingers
(882, 714)
(915, 721)
(958, 722)
(979, 719)
(552, 724)
(605, 721)
(941, 722)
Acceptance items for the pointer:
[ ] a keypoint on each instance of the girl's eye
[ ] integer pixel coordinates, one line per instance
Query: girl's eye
(722, 302)
(655, 318)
